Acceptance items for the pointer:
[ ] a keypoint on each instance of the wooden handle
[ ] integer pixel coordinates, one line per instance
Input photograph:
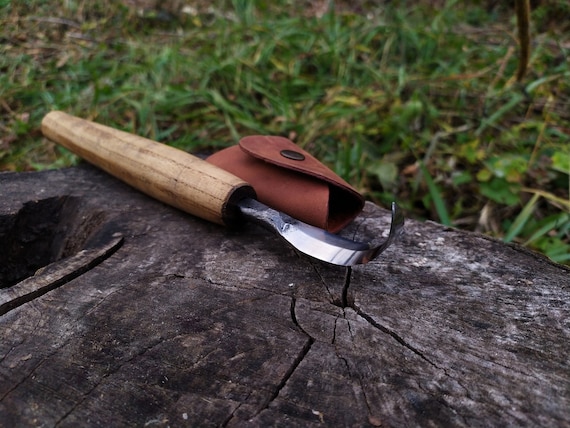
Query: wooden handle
(163, 172)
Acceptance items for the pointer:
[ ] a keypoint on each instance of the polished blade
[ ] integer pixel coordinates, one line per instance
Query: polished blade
(318, 243)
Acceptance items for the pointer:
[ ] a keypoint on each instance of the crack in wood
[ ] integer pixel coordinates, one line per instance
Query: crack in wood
(360, 384)
(55, 275)
(334, 330)
(294, 315)
(393, 334)
(346, 301)
(295, 321)
(348, 325)
(300, 356)
(344, 298)
(315, 267)
(233, 412)
(298, 359)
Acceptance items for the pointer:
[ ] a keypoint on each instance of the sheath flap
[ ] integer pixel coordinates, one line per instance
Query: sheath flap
(290, 180)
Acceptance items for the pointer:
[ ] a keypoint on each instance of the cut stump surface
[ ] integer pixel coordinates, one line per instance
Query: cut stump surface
(116, 310)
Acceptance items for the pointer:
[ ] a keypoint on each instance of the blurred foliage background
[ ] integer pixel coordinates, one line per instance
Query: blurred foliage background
(415, 101)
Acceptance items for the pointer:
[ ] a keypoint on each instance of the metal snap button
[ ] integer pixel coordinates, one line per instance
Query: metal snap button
(293, 155)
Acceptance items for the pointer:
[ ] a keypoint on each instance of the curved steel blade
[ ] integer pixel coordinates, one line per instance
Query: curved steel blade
(316, 242)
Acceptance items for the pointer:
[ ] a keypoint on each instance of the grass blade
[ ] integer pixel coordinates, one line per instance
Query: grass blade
(521, 219)
(436, 197)
(549, 224)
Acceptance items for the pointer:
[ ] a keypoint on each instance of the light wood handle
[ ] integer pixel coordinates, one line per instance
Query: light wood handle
(163, 172)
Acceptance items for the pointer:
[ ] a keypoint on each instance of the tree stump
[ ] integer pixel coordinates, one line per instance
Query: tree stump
(116, 310)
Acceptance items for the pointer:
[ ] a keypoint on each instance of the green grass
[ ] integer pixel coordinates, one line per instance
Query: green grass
(406, 101)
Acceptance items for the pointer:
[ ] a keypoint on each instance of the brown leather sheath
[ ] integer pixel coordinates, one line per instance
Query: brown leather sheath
(290, 180)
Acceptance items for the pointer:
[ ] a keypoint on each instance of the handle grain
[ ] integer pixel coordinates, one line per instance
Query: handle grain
(163, 172)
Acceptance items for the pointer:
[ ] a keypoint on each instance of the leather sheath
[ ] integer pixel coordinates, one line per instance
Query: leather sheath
(290, 180)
